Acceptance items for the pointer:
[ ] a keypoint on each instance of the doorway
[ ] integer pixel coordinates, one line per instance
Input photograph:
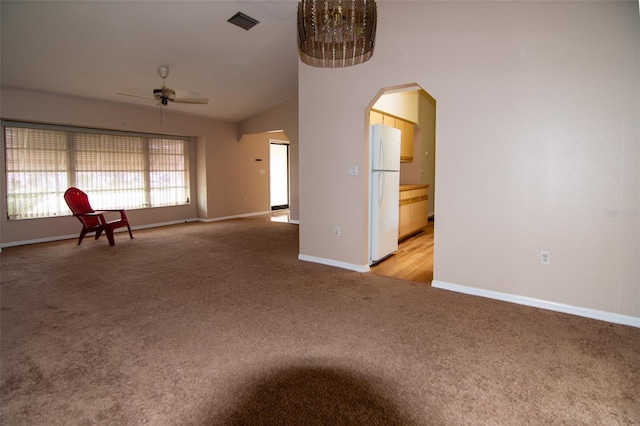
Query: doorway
(278, 174)
(415, 109)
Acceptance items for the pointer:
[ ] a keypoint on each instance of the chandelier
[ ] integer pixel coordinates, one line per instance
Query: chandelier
(336, 33)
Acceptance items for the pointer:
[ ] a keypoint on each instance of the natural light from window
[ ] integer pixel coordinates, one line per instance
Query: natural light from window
(117, 170)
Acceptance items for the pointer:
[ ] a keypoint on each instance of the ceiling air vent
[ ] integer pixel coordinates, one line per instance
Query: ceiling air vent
(243, 21)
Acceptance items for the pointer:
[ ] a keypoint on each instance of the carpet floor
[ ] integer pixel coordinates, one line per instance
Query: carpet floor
(221, 324)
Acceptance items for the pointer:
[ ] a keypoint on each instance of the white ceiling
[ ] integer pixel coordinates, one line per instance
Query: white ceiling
(95, 49)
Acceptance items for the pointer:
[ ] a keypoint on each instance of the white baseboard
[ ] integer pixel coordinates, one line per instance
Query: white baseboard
(294, 221)
(156, 225)
(542, 304)
(39, 240)
(330, 262)
(133, 228)
(75, 236)
(236, 216)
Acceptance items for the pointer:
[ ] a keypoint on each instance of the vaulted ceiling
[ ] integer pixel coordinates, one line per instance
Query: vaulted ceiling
(95, 49)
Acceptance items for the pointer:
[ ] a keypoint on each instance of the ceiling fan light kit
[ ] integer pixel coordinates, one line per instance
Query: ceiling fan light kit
(164, 95)
(336, 33)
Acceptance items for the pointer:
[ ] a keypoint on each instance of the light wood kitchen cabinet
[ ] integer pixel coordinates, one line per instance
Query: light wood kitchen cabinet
(406, 149)
(419, 208)
(376, 117)
(389, 120)
(404, 221)
(414, 209)
(406, 129)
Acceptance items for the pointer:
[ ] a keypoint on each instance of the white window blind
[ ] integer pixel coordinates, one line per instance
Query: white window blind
(116, 170)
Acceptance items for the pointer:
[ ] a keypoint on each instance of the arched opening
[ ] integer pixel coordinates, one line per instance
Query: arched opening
(412, 110)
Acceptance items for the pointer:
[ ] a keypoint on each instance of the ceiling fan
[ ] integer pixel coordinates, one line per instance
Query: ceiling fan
(165, 94)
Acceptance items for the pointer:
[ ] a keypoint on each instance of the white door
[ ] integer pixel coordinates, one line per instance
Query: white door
(279, 175)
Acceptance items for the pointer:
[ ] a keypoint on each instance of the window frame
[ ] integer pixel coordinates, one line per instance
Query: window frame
(173, 166)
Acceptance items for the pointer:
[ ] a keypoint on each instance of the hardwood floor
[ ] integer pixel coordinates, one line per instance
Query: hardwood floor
(280, 215)
(413, 261)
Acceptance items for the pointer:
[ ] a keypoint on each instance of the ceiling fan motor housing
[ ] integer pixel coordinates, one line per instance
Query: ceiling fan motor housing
(164, 94)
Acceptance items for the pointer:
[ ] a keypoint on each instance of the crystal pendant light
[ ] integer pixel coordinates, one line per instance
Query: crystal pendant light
(336, 33)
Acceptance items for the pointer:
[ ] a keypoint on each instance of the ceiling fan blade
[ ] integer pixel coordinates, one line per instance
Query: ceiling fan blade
(135, 96)
(191, 100)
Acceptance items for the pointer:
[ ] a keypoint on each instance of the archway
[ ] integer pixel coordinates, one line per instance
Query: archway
(411, 109)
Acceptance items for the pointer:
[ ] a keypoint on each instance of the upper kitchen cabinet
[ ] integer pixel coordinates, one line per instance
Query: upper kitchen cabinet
(406, 129)
(406, 149)
(389, 120)
(376, 117)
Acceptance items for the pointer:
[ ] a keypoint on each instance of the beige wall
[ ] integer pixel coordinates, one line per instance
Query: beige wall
(281, 117)
(223, 170)
(537, 138)
(252, 184)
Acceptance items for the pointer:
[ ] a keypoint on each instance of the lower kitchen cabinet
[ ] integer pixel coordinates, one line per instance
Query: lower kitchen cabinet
(414, 209)
(404, 222)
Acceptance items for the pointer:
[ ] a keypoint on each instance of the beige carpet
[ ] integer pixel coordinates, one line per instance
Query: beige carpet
(220, 324)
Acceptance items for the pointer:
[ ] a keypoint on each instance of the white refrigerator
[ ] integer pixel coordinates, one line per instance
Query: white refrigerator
(385, 191)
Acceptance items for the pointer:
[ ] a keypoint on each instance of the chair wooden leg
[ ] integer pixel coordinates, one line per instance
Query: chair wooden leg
(109, 233)
(130, 234)
(82, 234)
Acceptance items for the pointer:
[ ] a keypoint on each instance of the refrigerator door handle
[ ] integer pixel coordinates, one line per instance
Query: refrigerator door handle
(381, 164)
(380, 188)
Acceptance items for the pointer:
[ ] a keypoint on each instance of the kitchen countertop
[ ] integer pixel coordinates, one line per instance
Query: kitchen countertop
(412, 186)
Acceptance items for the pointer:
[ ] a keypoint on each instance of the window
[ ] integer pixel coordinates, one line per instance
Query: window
(116, 169)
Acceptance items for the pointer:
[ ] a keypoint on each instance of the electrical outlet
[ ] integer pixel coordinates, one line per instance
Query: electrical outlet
(545, 257)
(336, 231)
